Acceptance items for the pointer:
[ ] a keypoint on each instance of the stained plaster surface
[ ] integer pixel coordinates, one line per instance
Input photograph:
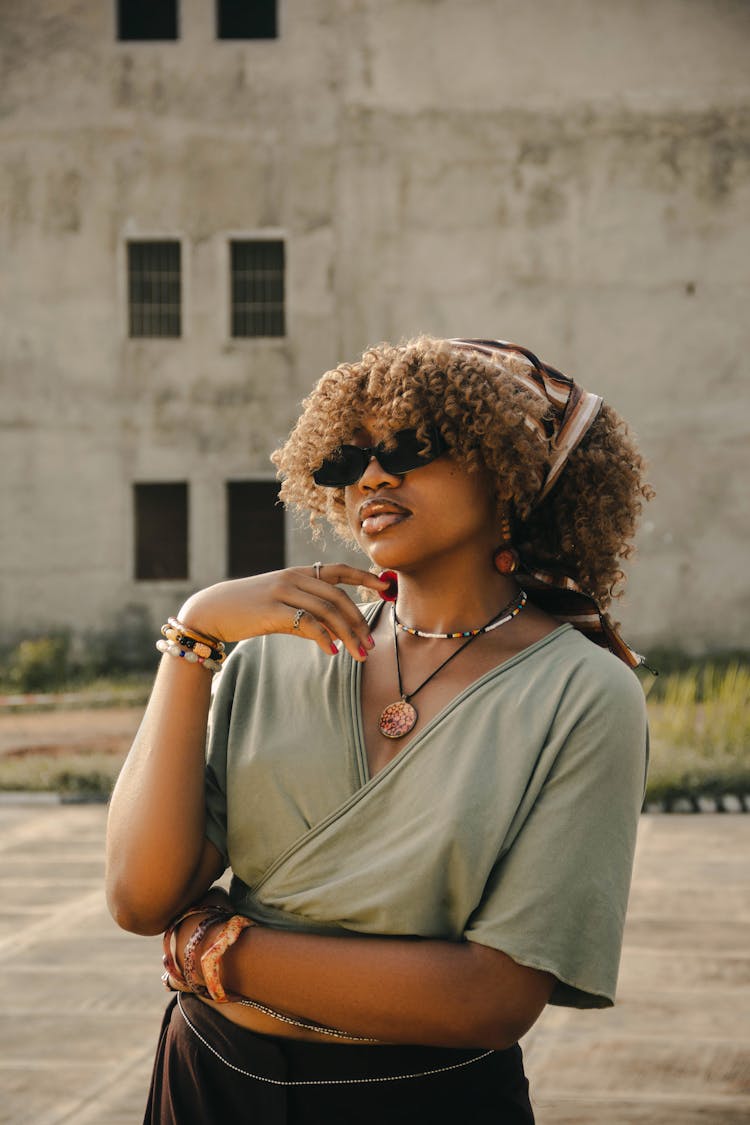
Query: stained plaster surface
(574, 177)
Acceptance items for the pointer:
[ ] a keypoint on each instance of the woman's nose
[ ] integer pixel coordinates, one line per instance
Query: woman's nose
(375, 476)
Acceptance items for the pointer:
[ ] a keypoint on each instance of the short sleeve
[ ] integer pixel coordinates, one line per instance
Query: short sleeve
(216, 757)
(556, 900)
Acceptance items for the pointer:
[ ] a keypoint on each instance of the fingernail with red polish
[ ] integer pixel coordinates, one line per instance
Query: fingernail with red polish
(391, 591)
(361, 651)
(371, 641)
(334, 650)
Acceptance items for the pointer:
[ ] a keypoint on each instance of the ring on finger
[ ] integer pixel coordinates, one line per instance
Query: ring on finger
(317, 568)
(297, 618)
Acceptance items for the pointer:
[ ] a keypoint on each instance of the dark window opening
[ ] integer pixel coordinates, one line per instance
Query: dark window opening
(255, 526)
(147, 19)
(246, 19)
(161, 531)
(154, 289)
(257, 269)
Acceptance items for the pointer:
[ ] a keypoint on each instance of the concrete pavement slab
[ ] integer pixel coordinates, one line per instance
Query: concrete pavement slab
(675, 1050)
(652, 898)
(700, 972)
(621, 1111)
(81, 1001)
(673, 935)
(71, 1033)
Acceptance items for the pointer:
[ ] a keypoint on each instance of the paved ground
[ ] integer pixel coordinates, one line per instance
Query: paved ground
(80, 1002)
(675, 1050)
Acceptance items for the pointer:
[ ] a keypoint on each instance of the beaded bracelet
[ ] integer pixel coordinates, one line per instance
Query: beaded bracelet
(202, 644)
(211, 959)
(172, 649)
(186, 643)
(190, 643)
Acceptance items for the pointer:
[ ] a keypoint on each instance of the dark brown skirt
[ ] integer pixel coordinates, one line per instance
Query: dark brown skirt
(215, 1071)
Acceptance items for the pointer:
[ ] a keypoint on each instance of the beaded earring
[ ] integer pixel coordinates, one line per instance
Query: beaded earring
(506, 558)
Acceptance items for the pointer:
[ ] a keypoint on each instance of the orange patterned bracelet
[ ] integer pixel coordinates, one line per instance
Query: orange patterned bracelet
(190, 955)
(169, 959)
(211, 959)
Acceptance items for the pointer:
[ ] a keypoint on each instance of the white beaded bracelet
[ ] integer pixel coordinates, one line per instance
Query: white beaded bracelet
(172, 649)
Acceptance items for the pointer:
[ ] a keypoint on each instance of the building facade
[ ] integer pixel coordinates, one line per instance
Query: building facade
(199, 216)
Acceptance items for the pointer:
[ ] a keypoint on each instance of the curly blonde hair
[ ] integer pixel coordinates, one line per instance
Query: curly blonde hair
(584, 526)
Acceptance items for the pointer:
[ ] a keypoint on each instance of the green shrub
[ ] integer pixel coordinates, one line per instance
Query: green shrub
(85, 783)
(121, 652)
(39, 664)
(126, 646)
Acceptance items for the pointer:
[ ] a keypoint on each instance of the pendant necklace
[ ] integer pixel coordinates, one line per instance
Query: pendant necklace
(397, 719)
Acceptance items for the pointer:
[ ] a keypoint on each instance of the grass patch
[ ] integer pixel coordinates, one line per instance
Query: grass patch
(700, 734)
(671, 662)
(128, 690)
(71, 773)
(123, 687)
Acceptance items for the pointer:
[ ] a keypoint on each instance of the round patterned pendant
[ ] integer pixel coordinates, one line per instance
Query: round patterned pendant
(397, 719)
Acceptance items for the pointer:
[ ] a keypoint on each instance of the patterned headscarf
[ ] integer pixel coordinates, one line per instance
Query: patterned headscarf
(572, 412)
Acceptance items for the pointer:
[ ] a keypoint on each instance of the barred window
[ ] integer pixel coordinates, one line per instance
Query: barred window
(146, 19)
(257, 269)
(161, 530)
(154, 288)
(255, 527)
(246, 19)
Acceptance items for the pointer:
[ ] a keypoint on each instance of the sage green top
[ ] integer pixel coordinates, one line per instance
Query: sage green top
(509, 819)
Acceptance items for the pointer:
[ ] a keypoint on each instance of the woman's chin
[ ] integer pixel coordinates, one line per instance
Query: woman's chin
(383, 560)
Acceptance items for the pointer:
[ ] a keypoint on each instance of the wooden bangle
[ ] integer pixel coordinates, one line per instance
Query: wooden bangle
(169, 958)
(196, 634)
(169, 961)
(211, 959)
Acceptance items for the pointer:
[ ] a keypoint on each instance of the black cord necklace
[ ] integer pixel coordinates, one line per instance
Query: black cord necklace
(397, 719)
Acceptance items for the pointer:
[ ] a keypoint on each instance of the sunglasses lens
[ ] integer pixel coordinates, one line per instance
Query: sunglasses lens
(405, 455)
(347, 464)
(343, 467)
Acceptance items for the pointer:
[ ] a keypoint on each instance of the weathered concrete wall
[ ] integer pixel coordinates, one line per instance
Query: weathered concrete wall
(573, 176)
(102, 142)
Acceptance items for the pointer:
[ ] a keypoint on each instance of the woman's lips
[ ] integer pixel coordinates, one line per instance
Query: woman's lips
(371, 525)
(377, 515)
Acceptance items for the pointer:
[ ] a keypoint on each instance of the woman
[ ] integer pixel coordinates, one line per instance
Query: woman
(429, 801)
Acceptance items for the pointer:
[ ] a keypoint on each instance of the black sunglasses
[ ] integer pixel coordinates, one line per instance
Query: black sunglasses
(347, 463)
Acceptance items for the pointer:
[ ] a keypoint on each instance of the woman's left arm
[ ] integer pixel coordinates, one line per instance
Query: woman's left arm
(395, 990)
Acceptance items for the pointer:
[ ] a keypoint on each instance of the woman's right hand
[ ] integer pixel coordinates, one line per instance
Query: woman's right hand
(269, 603)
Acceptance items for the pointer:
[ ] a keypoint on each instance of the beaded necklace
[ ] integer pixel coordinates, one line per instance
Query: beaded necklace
(514, 607)
(400, 717)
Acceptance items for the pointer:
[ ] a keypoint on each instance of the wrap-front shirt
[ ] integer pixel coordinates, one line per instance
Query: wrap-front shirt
(508, 820)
